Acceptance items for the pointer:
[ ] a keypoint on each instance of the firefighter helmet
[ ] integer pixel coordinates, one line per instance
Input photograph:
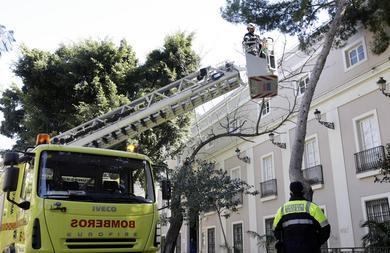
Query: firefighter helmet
(250, 26)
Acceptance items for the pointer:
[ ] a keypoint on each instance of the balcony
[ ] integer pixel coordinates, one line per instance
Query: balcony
(268, 188)
(314, 175)
(369, 159)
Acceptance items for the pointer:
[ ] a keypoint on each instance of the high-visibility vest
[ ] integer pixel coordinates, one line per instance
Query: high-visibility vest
(300, 206)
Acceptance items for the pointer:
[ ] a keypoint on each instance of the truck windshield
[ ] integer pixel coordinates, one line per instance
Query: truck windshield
(94, 178)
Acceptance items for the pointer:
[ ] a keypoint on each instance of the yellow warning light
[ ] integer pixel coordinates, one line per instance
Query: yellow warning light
(132, 148)
(42, 139)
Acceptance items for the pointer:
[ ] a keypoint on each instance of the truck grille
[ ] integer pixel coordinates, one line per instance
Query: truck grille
(92, 243)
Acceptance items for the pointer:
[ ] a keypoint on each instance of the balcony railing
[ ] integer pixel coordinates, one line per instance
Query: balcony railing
(314, 175)
(356, 250)
(369, 159)
(268, 188)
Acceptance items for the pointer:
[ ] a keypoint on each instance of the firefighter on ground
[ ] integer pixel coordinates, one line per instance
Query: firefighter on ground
(300, 226)
(252, 42)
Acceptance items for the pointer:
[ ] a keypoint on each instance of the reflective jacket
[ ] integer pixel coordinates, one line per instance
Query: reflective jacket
(300, 226)
(251, 43)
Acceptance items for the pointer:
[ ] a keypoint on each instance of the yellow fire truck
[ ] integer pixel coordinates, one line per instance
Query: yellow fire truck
(60, 198)
(82, 197)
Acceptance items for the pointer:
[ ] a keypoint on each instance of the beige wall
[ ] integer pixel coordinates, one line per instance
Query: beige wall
(360, 188)
(330, 96)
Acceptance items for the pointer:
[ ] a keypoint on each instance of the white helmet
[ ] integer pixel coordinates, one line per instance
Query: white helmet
(250, 25)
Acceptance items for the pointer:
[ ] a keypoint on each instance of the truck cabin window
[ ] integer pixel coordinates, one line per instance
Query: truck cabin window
(94, 178)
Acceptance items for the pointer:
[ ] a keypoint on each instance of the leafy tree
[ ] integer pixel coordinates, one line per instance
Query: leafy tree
(300, 18)
(378, 235)
(174, 61)
(78, 82)
(183, 184)
(264, 241)
(201, 190)
(384, 176)
(62, 89)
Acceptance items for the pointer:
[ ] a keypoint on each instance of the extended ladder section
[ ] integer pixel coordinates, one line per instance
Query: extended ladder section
(154, 108)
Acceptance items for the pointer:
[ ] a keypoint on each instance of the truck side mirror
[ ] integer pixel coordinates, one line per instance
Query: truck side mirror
(11, 177)
(11, 158)
(166, 189)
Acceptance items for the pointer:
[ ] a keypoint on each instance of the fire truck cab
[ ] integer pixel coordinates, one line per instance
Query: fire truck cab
(59, 198)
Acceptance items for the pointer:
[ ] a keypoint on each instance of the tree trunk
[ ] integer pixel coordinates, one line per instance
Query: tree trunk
(176, 220)
(223, 230)
(295, 169)
(174, 229)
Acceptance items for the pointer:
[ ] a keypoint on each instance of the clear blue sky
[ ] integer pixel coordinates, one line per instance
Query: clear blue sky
(44, 24)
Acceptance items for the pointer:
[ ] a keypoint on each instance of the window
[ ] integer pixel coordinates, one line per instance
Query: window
(312, 171)
(266, 108)
(267, 168)
(237, 238)
(311, 153)
(368, 133)
(270, 239)
(302, 84)
(235, 174)
(28, 176)
(355, 54)
(211, 240)
(378, 210)
(268, 186)
(68, 175)
(370, 153)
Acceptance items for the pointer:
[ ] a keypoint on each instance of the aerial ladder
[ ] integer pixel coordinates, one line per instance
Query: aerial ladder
(176, 98)
(154, 108)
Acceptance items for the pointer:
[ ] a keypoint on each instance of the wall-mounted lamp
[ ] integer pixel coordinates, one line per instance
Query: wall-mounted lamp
(317, 114)
(279, 144)
(245, 159)
(382, 86)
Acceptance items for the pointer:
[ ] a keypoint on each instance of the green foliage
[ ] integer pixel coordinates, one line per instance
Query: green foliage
(300, 18)
(13, 112)
(378, 235)
(263, 241)
(62, 89)
(81, 81)
(173, 61)
(384, 176)
(207, 188)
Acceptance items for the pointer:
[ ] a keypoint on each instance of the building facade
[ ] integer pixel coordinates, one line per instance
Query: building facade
(340, 162)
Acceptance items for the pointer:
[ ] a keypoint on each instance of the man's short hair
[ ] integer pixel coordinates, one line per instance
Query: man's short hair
(296, 187)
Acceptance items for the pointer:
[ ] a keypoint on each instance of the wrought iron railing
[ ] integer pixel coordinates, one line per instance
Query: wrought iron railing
(369, 159)
(268, 188)
(356, 250)
(314, 174)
